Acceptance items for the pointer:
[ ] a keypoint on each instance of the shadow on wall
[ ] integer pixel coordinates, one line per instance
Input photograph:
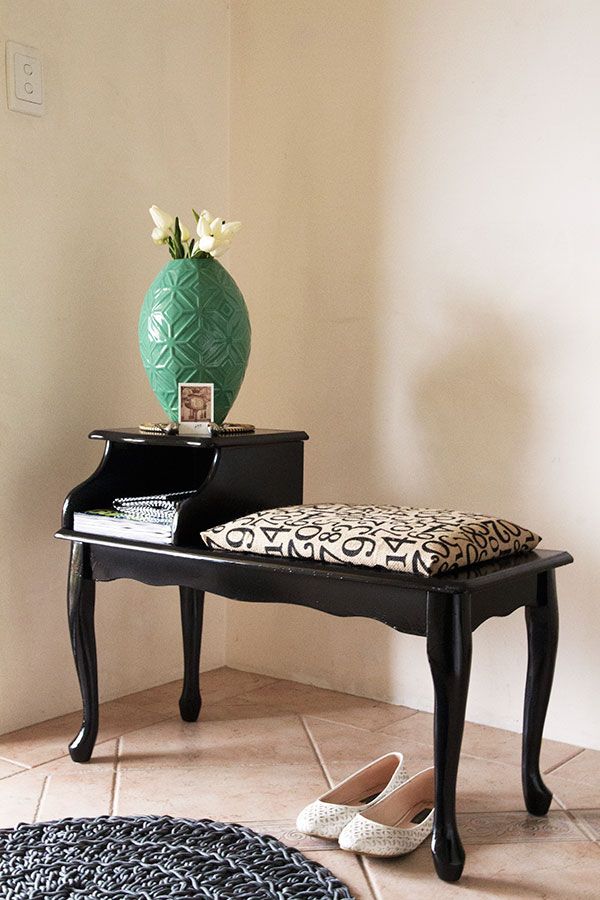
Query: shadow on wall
(473, 407)
(466, 395)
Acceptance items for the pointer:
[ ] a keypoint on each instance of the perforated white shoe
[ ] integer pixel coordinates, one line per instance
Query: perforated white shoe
(397, 823)
(328, 815)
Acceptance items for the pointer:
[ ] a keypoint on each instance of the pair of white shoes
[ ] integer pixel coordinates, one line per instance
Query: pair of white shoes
(378, 810)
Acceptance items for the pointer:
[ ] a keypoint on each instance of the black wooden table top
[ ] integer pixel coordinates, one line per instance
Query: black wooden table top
(135, 436)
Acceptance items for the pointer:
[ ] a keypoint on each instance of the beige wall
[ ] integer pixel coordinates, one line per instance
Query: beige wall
(137, 113)
(419, 184)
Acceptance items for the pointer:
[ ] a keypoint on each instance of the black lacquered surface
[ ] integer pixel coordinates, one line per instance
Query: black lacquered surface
(260, 436)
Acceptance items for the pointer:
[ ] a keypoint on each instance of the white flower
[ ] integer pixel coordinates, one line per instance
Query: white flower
(215, 235)
(206, 241)
(203, 226)
(160, 218)
(230, 228)
(160, 235)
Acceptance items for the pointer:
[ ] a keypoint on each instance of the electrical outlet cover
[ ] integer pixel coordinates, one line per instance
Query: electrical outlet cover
(24, 82)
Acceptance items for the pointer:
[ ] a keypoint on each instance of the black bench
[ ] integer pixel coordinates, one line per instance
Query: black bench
(247, 473)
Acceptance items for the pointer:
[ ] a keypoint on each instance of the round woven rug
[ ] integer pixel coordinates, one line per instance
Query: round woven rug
(155, 857)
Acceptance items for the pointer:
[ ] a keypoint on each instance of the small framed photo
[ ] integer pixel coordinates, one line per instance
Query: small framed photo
(196, 407)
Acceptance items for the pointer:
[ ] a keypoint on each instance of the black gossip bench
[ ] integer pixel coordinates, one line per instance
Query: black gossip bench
(247, 473)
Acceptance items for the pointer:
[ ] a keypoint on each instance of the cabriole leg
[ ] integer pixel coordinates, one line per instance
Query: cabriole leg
(449, 653)
(542, 639)
(192, 608)
(81, 601)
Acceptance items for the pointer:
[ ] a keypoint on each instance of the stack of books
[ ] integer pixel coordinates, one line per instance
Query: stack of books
(150, 518)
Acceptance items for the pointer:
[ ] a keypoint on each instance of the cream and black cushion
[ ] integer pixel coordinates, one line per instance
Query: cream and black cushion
(401, 538)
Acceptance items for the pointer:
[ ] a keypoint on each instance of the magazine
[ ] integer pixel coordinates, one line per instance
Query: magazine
(150, 518)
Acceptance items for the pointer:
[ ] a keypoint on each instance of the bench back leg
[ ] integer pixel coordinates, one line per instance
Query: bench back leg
(449, 652)
(542, 639)
(192, 608)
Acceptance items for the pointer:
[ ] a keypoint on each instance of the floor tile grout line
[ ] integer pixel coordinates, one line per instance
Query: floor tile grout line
(415, 712)
(357, 727)
(317, 752)
(321, 761)
(581, 826)
(317, 687)
(429, 746)
(260, 687)
(20, 771)
(116, 778)
(14, 762)
(370, 882)
(553, 769)
(41, 798)
(500, 762)
(464, 753)
(548, 771)
(504, 812)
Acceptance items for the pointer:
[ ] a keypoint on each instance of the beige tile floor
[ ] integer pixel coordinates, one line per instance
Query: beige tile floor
(264, 747)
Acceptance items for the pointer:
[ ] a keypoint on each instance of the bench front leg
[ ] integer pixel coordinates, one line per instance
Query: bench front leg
(81, 595)
(542, 639)
(192, 610)
(449, 653)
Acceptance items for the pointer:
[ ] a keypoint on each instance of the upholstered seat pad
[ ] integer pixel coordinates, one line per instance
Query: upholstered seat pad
(400, 538)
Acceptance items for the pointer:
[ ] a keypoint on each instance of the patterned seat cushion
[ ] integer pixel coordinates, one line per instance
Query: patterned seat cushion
(401, 538)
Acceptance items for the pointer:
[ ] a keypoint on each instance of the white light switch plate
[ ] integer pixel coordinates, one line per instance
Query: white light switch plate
(24, 81)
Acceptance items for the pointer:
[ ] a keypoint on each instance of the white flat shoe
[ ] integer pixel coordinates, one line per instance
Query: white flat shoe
(397, 823)
(328, 815)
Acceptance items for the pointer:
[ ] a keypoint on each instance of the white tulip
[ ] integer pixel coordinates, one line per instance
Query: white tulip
(215, 234)
(160, 235)
(207, 243)
(185, 235)
(203, 227)
(160, 218)
(231, 228)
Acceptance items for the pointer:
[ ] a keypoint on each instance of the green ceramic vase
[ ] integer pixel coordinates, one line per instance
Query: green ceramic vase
(194, 326)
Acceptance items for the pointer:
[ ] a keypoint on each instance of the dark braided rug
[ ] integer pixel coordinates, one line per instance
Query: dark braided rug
(115, 858)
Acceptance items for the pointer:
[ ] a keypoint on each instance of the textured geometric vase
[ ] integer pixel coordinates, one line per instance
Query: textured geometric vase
(194, 326)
